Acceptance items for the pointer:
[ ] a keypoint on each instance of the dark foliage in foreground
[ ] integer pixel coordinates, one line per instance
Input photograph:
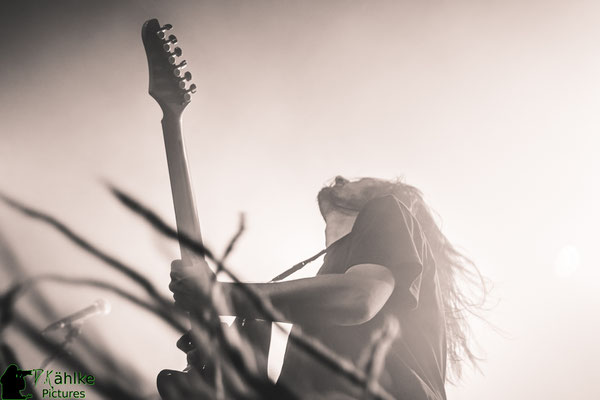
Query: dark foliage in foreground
(233, 355)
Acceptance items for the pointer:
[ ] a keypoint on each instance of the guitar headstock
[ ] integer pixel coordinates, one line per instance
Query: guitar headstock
(169, 79)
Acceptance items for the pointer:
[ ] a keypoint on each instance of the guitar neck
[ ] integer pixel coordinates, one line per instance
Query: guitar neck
(181, 185)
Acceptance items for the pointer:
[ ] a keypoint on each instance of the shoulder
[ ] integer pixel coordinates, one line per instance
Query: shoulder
(387, 223)
(384, 222)
(384, 210)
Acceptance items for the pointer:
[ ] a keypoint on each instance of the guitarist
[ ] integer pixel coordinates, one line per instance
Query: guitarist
(386, 257)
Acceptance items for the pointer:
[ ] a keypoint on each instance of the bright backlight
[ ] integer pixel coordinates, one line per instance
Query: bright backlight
(567, 261)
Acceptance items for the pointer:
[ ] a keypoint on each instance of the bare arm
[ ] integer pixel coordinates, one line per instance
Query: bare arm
(344, 299)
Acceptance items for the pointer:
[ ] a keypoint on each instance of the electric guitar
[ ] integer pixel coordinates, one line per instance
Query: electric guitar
(170, 86)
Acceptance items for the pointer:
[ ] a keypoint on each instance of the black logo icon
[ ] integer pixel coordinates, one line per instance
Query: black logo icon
(13, 382)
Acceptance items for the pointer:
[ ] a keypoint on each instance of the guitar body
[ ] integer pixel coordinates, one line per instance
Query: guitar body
(174, 385)
(192, 382)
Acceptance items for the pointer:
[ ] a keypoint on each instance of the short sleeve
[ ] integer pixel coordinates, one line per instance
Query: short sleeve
(383, 234)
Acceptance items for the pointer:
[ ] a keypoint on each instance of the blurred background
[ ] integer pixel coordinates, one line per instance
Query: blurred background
(490, 108)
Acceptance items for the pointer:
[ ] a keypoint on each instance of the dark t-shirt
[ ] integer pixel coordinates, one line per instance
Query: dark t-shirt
(387, 234)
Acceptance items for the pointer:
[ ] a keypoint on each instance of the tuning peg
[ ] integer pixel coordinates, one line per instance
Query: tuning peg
(188, 93)
(174, 54)
(163, 31)
(178, 71)
(171, 41)
(183, 81)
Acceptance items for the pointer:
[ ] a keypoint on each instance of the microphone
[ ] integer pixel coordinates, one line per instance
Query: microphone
(100, 306)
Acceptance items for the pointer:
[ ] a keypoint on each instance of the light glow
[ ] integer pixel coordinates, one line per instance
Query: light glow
(567, 261)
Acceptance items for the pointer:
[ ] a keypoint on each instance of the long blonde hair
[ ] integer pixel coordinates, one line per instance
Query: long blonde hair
(464, 289)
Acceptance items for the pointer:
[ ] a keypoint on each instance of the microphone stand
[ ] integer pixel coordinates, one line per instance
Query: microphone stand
(73, 332)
